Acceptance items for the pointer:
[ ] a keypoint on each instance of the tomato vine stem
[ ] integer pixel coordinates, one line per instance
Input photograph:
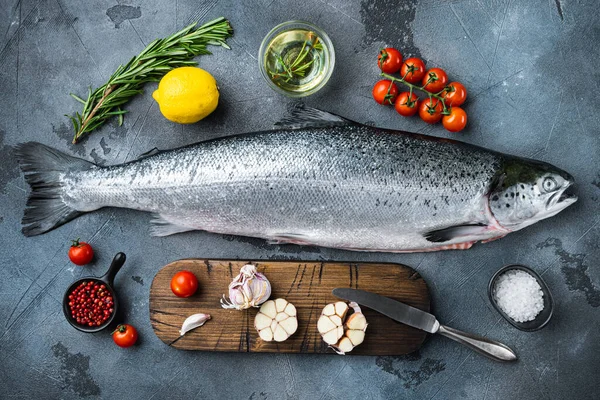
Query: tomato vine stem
(412, 87)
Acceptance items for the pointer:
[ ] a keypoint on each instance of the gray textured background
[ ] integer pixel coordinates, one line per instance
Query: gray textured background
(531, 70)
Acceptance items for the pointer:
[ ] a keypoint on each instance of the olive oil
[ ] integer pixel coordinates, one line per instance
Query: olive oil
(296, 60)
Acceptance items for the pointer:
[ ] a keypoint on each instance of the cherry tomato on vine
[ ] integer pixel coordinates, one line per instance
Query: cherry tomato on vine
(413, 70)
(389, 60)
(125, 335)
(385, 92)
(80, 253)
(454, 94)
(435, 80)
(430, 110)
(184, 284)
(406, 104)
(456, 120)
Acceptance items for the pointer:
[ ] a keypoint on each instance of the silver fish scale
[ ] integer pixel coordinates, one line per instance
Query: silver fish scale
(348, 186)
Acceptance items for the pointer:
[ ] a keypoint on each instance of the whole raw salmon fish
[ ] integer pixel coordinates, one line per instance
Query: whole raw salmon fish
(318, 179)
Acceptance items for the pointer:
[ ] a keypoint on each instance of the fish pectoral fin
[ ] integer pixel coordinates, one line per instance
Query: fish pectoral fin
(149, 153)
(160, 226)
(453, 232)
(301, 116)
(293, 238)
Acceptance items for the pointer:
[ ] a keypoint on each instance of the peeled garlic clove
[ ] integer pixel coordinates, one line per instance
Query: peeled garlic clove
(268, 309)
(289, 324)
(356, 321)
(331, 337)
(345, 345)
(341, 333)
(341, 309)
(276, 320)
(248, 289)
(280, 334)
(280, 304)
(329, 309)
(355, 336)
(266, 334)
(290, 310)
(193, 322)
(324, 324)
(262, 321)
(337, 321)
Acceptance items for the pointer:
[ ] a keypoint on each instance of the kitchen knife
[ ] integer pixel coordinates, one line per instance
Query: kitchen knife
(423, 320)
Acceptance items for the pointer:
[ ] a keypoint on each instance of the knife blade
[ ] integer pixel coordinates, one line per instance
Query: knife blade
(391, 308)
(420, 319)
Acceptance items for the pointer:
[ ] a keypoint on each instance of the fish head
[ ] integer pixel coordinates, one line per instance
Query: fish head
(527, 191)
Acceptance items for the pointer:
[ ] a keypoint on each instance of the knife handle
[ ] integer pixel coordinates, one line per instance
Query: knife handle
(489, 348)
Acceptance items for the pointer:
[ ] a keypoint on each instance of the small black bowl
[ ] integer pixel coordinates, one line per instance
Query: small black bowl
(542, 318)
(107, 279)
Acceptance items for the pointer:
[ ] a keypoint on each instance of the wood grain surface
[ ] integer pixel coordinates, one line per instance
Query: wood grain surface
(307, 285)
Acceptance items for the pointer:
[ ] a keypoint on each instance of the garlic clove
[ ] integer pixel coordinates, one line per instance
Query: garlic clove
(268, 308)
(355, 336)
(273, 323)
(262, 321)
(340, 331)
(345, 345)
(266, 334)
(329, 309)
(289, 324)
(336, 320)
(280, 305)
(280, 334)
(290, 310)
(324, 324)
(281, 316)
(331, 337)
(356, 321)
(193, 322)
(341, 309)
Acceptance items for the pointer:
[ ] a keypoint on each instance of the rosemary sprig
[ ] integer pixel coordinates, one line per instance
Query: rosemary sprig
(288, 69)
(158, 58)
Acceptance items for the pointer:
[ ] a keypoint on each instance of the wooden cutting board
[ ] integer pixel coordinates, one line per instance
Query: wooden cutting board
(307, 285)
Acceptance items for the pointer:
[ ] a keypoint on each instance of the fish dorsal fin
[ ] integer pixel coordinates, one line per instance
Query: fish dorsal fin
(149, 153)
(301, 116)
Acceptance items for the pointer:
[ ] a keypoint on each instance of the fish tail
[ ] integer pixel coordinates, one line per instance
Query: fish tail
(43, 167)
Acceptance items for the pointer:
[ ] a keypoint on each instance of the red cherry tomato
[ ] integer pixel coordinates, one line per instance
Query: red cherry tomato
(435, 80)
(389, 60)
(385, 92)
(454, 94)
(413, 70)
(125, 335)
(406, 104)
(80, 253)
(184, 284)
(430, 110)
(456, 120)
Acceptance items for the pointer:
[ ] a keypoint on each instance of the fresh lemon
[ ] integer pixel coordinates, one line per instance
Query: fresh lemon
(187, 95)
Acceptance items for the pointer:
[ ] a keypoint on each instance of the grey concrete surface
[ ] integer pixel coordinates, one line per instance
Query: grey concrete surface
(531, 68)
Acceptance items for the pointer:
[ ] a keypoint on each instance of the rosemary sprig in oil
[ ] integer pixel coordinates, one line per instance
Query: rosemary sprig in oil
(288, 69)
(158, 58)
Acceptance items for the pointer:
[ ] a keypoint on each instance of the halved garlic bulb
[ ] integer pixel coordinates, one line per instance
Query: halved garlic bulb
(276, 320)
(340, 333)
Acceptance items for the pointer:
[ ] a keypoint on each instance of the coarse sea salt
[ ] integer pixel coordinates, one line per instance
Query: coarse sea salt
(519, 295)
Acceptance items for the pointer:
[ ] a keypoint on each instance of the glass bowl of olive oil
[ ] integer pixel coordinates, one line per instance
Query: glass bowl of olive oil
(296, 58)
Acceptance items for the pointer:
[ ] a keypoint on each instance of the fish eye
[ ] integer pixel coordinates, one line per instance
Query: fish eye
(549, 184)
